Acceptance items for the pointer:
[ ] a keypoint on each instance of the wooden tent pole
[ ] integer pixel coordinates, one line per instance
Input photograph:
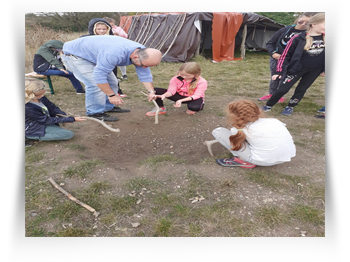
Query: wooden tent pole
(244, 36)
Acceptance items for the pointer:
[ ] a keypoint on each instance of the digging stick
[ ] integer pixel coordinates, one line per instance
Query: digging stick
(157, 112)
(98, 121)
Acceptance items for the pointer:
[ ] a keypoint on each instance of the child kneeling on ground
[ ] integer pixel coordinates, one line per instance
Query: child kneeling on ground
(253, 139)
(41, 119)
(186, 87)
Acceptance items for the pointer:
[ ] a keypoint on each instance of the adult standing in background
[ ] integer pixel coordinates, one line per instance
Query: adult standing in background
(92, 60)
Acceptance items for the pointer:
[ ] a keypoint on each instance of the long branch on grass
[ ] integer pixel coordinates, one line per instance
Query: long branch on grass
(98, 121)
(157, 111)
(96, 214)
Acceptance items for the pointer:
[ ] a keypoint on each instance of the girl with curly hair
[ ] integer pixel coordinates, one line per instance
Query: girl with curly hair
(252, 139)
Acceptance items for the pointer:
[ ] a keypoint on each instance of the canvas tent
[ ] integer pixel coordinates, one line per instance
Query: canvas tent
(179, 36)
(256, 31)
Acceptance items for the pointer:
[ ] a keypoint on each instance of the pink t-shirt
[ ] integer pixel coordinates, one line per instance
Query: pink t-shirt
(119, 31)
(181, 87)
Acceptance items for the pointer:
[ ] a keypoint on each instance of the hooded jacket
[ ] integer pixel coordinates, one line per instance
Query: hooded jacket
(92, 23)
(291, 56)
(46, 56)
(274, 44)
(36, 120)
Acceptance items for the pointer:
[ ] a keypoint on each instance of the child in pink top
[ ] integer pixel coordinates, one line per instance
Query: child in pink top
(118, 31)
(186, 87)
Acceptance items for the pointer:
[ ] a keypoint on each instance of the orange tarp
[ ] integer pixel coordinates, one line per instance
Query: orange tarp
(224, 29)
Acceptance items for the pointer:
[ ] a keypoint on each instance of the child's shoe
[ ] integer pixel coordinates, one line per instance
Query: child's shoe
(287, 111)
(234, 161)
(153, 111)
(189, 112)
(265, 98)
(266, 108)
(282, 99)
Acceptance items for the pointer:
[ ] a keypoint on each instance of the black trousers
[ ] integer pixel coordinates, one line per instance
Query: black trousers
(194, 105)
(307, 76)
(115, 71)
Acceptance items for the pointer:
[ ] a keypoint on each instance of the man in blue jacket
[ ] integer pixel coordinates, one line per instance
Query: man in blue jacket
(92, 60)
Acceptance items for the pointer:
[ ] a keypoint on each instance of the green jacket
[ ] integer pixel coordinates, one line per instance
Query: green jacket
(49, 54)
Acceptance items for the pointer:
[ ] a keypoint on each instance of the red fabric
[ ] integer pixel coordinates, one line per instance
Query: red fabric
(224, 29)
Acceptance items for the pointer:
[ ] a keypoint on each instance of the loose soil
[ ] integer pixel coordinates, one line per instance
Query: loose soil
(181, 136)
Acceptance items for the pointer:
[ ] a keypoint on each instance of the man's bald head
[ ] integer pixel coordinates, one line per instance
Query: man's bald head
(147, 57)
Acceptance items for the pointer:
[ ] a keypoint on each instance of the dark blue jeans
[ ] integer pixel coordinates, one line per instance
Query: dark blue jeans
(56, 72)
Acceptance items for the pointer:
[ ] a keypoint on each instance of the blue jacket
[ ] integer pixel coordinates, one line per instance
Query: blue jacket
(36, 120)
(106, 52)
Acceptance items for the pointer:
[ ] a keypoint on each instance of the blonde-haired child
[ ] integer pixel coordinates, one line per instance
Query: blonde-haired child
(118, 31)
(100, 26)
(252, 139)
(41, 115)
(304, 60)
(186, 87)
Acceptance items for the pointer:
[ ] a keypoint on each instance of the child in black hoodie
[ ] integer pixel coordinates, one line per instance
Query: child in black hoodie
(304, 58)
(99, 26)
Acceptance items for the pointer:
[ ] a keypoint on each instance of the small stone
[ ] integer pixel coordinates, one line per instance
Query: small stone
(61, 184)
(138, 201)
(135, 224)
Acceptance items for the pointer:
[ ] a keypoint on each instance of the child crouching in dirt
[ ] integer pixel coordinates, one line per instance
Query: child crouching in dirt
(41, 119)
(186, 87)
(253, 139)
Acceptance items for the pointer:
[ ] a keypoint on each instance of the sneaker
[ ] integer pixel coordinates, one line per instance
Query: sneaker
(235, 161)
(323, 116)
(266, 108)
(117, 109)
(322, 110)
(80, 92)
(122, 95)
(265, 98)
(153, 111)
(125, 77)
(189, 112)
(287, 111)
(28, 142)
(104, 117)
(282, 99)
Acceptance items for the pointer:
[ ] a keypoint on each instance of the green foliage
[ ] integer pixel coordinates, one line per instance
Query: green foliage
(284, 18)
(69, 21)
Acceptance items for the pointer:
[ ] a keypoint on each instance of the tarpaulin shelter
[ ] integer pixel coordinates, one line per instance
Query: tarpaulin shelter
(255, 32)
(179, 36)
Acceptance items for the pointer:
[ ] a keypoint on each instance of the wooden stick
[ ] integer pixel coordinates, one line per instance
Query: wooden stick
(157, 111)
(96, 214)
(98, 121)
(208, 144)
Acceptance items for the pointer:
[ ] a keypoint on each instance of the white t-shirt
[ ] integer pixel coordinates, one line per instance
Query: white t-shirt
(269, 140)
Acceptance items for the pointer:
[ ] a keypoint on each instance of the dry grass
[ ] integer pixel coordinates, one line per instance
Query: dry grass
(37, 36)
